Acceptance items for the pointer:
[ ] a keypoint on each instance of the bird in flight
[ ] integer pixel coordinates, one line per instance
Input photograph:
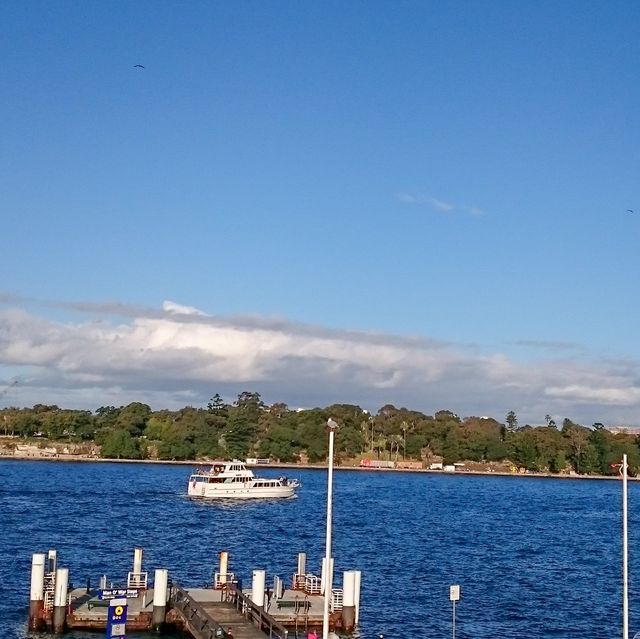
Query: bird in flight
(138, 65)
(629, 211)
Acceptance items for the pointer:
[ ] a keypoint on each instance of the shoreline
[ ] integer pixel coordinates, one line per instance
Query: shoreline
(62, 457)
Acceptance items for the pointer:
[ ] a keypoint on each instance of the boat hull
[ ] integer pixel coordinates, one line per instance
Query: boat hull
(206, 492)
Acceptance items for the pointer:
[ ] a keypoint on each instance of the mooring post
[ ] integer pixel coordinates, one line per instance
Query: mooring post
(356, 594)
(302, 569)
(60, 600)
(160, 583)
(348, 600)
(137, 560)
(103, 582)
(224, 568)
(278, 587)
(36, 598)
(52, 561)
(324, 578)
(257, 587)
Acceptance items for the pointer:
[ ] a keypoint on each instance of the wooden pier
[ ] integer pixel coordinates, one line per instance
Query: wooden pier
(210, 614)
(219, 611)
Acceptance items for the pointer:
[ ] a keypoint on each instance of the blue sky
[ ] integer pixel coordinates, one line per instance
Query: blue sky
(449, 180)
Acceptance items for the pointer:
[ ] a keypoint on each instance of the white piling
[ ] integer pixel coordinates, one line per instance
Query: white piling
(224, 567)
(356, 594)
(60, 600)
(278, 588)
(36, 598)
(103, 582)
(257, 587)
(52, 561)
(324, 576)
(137, 560)
(302, 563)
(348, 600)
(160, 583)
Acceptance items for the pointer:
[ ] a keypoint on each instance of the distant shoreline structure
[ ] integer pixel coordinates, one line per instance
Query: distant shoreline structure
(163, 462)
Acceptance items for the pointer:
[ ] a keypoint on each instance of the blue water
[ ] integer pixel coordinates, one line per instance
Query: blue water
(535, 558)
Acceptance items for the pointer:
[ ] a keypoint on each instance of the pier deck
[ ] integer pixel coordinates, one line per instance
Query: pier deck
(88, 611)
(208, 614)
(219, 615)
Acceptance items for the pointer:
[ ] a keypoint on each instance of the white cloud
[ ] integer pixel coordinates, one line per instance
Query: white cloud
(178, 309)
(179, 355)
(437, 203)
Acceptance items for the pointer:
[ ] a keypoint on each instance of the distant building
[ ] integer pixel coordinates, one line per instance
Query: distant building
(630, 430)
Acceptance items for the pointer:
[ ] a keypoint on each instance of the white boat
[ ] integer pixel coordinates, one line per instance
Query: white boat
(232, 479)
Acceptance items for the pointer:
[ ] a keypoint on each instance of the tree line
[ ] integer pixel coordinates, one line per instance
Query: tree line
(249, 427)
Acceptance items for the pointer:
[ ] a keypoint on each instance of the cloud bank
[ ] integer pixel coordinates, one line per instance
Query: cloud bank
(179, 355)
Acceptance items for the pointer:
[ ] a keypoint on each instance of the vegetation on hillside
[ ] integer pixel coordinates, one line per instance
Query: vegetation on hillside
(248, 427)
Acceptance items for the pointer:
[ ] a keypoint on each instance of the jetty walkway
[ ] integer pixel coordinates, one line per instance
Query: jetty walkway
(211, 614)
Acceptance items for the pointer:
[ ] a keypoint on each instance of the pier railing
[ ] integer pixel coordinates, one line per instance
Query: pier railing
(208, 628)
(200, 620)
(254, 613)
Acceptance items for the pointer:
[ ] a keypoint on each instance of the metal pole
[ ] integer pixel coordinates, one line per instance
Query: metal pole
(454, 619)
(625, 568)
(454, 595)
(328, 577)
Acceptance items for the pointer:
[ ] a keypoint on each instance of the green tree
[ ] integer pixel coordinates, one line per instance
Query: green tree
(216, 405)
(451, 446)
(119, 444)
(577, 438)
(133, 418)
(239, 435)
(174, 446)
(280, 444)
(523, 449)
(512, 421)
(599, 439)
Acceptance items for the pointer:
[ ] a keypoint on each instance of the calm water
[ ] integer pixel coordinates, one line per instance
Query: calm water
(535, 558)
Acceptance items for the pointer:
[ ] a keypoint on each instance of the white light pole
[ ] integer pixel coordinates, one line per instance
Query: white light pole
(625, 550)
(328, 577)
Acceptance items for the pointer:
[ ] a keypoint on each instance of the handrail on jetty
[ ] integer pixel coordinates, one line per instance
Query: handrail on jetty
(254, 613)
(209, 628)
(195, 615)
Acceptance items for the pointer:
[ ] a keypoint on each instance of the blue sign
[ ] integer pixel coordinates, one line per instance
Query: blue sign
(117, 619)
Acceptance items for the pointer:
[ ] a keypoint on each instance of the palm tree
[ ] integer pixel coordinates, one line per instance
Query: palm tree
(394, 440)
(380, 445)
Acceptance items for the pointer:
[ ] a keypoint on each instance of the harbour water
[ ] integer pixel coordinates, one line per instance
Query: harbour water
(535, 558)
